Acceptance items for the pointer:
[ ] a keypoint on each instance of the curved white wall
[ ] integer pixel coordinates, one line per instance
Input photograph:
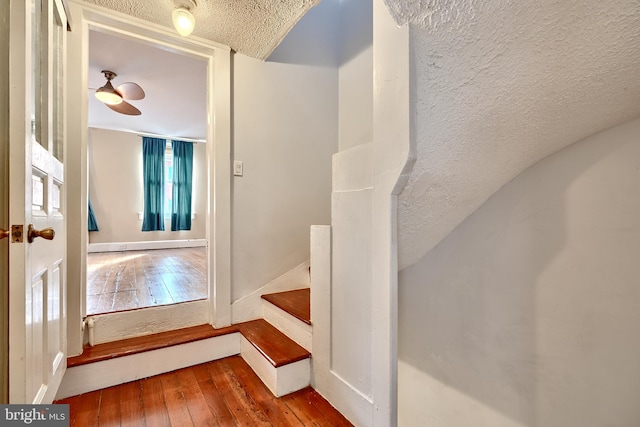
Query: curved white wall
(528, 313)
(499, 86)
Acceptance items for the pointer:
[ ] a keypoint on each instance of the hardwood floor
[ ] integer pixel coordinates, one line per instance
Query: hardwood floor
(118, 281)
(224, 392)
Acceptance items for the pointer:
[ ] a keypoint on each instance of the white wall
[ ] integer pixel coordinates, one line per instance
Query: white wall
(356, 73)
(285, 128)
(528, 313)
(117, 194)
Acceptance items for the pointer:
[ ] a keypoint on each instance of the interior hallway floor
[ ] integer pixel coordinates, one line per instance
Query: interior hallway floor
(224, 392)
(118, 281)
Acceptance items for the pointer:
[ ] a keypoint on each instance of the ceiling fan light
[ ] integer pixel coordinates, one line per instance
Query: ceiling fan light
(183, 21)
(108, 96)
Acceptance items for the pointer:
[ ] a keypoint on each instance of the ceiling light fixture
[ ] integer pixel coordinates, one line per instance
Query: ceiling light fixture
(107, 93)
(183, 19)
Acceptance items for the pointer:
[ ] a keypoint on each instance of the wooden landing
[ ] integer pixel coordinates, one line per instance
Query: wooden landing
(129, 346)
(296, 302)
(224, 392)
(277, 348)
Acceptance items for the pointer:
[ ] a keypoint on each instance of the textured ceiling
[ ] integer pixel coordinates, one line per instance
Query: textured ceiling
(251, 27)
(500, 85)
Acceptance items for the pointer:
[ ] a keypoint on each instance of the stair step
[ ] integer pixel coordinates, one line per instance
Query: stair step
(296, 302)
(150, 342)
(275, 346)
(283, 365)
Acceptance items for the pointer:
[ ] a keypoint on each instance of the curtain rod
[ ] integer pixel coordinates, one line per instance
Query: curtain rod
(155, 135)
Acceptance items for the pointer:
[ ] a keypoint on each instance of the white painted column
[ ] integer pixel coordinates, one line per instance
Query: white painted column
(393, 158)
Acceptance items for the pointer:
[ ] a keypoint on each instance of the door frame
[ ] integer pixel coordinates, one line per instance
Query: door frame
(85, 17)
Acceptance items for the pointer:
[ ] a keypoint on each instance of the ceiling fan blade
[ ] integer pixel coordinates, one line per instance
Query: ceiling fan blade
(130, 90)
(125, 108)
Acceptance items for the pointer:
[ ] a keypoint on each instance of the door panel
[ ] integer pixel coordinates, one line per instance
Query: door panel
(37, 281)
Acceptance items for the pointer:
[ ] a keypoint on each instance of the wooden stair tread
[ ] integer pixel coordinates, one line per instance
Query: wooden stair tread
(277, 348)
(274, 345)
(296, 302)
(130, 346)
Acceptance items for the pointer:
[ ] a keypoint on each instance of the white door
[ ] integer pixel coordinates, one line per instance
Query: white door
(37, 248)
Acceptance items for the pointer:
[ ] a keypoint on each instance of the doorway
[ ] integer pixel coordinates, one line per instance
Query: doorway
(216, 308)
(126, 267)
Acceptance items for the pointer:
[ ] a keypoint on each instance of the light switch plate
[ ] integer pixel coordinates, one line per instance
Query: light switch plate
(237, 168)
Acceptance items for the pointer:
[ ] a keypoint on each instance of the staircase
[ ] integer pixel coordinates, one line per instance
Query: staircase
(277, 347)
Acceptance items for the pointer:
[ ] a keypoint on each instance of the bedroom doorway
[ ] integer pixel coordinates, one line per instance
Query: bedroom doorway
(216, 214)
(127, 268)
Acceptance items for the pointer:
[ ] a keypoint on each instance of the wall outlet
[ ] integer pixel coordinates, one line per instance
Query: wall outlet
(237, 168)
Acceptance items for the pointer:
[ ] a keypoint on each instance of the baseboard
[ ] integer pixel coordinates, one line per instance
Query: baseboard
(141, 246)
(107, 373)
(144, 321)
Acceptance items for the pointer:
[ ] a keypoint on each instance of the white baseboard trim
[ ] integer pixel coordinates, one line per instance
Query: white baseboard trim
(141, 246)
(107, 373)
(151, 320)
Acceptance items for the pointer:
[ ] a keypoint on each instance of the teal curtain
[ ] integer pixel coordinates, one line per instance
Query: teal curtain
(182, 180)
(93, 224)
(153, 175)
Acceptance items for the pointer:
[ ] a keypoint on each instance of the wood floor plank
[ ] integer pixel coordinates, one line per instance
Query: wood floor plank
(241, 408)
(333, 417)
(196, 403)
(213, 396)
(131, 409)
(109, 415)
(155, 411)
(88, 409)
(278, 414)
(73, 403)
(174, 400)
(307, 413)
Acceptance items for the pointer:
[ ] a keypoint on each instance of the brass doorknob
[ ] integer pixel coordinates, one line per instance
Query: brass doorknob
(46, 233)
(4, 233)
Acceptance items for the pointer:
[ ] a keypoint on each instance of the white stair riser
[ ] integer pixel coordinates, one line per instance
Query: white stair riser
(289, 325)
(282, 380)
(120, 370)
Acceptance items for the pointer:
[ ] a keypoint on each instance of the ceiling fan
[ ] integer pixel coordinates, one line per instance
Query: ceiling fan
(115, 98)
